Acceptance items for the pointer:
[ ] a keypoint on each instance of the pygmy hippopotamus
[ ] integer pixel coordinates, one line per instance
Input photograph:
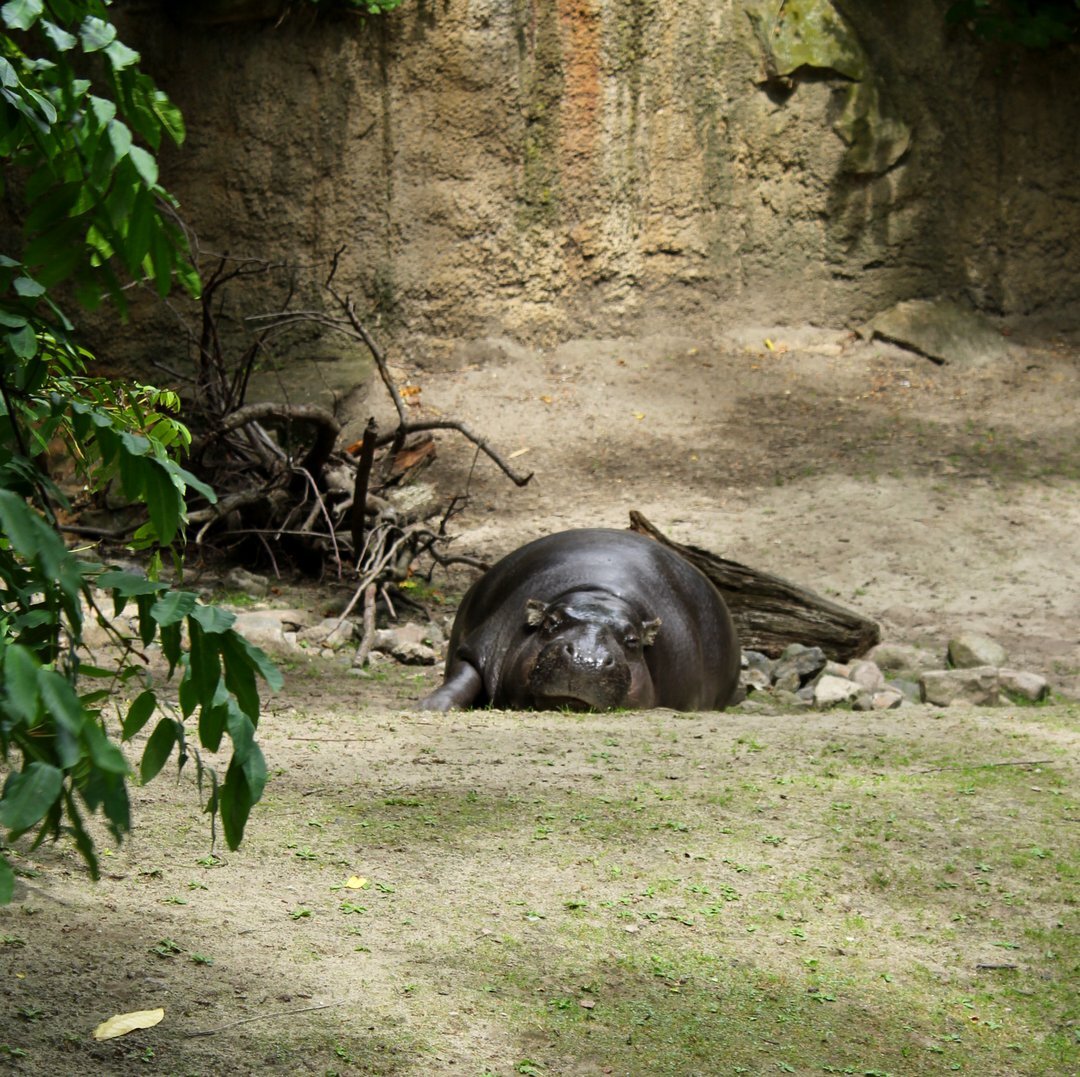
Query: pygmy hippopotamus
(594, 619)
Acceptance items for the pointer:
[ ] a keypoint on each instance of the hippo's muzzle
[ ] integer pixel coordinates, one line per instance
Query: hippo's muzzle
(581, 670)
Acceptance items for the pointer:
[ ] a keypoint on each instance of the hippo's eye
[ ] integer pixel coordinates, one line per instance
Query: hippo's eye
(553, 621)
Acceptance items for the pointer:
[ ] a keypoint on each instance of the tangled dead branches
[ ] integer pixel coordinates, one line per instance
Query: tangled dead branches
(284, 480)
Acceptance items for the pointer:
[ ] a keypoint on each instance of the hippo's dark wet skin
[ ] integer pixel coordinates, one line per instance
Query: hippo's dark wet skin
(590, 620)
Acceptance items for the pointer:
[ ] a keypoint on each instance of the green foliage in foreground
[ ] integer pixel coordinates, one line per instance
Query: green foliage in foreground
(94, 210)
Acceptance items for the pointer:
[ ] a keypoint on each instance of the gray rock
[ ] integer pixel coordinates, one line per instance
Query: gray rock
(941, 330)
(789, 700)
(331, 634)
(754, 680)
(1031, 687)
(831, 690)
(910, 690)
(969, 650)
(757, 660)
(979, 685)
(804, 662)
(247, 583)
(409, 643)
(838, 669)
(902, 658)
(267, 628)
(867, 674)
(887, 699)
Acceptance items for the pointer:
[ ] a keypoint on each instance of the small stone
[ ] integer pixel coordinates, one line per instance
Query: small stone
(408, 643)
(838, 669)
(331, 633)
(789, 680)
(910, 690)
(887, 699)
(978, 685)
(247, 583)
(868, 674)
(805, 662)
(831, 690)
(902, 658)
(265, 628)
(969, 650)
(1030, 687)
(754, 680)
(789, 700)
(757, 660)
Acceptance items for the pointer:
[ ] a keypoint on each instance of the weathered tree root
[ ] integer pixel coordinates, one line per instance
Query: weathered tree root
(770, 612)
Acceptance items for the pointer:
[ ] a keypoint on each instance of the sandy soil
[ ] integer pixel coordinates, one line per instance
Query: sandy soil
(930, 498)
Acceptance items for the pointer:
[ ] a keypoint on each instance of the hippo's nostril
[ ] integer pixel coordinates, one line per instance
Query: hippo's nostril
(568, 648)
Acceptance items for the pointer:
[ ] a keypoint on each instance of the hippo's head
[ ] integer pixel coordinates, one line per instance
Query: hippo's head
(586, 651)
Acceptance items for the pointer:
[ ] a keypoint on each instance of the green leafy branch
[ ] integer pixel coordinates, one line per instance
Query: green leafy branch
(94, 204)
(95, 213)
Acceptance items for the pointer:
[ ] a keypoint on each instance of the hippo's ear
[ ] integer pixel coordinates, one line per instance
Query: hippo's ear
(535, 611)
(649, 629)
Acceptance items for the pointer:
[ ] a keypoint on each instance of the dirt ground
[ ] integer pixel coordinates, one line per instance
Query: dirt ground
(653, 893)
(930, 498)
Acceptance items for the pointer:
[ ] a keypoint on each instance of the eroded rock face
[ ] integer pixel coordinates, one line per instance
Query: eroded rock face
(539, 170)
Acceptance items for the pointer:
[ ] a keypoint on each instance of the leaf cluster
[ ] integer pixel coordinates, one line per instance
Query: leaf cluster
(81, 152)
(95, 215)
(54, 726)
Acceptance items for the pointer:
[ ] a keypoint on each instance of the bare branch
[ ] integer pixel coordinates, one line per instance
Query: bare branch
(420, 425)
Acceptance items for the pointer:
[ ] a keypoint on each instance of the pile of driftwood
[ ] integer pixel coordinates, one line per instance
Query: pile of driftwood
(285, 482)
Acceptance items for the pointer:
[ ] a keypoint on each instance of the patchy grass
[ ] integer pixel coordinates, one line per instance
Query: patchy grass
(579, 894)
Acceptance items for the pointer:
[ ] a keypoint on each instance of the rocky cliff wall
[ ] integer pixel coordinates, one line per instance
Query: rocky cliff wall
(546, 168)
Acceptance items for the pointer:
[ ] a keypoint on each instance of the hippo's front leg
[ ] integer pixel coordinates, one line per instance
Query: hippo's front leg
(461, 687)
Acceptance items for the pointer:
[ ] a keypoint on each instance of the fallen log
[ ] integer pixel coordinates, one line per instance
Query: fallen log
(771, 612)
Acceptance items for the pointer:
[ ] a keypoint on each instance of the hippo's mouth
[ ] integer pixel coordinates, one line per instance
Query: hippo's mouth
(568, 703)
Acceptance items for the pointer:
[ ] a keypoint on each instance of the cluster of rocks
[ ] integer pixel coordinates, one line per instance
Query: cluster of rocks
(974, 670)
(330, 637)
(327, 637)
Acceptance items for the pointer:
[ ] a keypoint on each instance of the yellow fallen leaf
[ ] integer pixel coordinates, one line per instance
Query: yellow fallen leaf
(639, 415)
(355, 882)
(123, 1023)
(770, 345)
(547, 399)
(516, 453)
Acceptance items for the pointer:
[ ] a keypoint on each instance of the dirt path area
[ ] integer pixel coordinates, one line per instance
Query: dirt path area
(930, 498)
(500, 894)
